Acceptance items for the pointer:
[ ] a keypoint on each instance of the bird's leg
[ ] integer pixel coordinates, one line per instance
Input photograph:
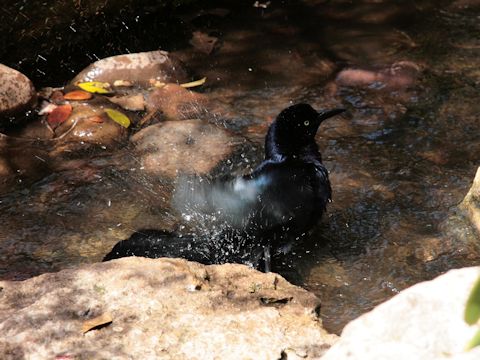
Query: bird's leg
(267, 258)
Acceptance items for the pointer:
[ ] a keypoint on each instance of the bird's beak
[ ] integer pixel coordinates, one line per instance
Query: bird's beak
(322, 115)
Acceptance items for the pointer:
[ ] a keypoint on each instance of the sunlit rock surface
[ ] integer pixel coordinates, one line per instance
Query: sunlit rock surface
(185, 146)
(422, 322)
(471, 203)
(139, 68)
(462, 227)
(17, 93)
(162, 309)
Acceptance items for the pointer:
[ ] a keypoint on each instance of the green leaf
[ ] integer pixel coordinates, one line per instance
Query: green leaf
(475, 341)
(118, 117)
(95, 87)
(194, 83)
(472, 310)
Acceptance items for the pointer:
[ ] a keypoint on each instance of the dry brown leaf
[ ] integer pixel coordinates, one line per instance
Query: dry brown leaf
(96, 119)
(78, 95)
(103, 319)
(59, 114)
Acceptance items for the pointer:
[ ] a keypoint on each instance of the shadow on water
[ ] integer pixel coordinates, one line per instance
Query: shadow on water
(401, 159)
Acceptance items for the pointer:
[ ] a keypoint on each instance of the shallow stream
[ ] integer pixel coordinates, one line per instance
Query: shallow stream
(400, 160)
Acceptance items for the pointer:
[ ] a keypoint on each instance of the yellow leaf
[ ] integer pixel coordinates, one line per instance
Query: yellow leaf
(101, 320)
(118, 117)
(95, 87)
(194, 83)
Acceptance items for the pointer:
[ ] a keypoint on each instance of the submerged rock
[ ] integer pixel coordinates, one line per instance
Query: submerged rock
(17, 93)
(163, 308)
(400, 75)
(183, 146)
(422, 322)
(138, 68)
(21, 160)
(176, 102)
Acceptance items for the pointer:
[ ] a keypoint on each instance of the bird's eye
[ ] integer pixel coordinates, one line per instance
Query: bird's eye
(306, 123)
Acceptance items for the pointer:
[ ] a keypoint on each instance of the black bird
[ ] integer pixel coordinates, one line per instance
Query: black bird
(253, 217)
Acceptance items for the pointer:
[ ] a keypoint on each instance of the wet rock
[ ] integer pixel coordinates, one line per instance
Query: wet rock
(462, 226)
(176, 102)
(163, 308)
(422, 322)
(203, 42)
(129, 102)
(400, 75)
(186, 146)
(88, 125)
(138, 68)
(17, 93)
(21, 160)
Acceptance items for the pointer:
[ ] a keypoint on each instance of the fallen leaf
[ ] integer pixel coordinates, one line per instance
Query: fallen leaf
(124, 83)
(104, 319)
(96, 119)
(77, 95)
(95, 87)
(64, 357)
(58, 115)
(194, 83)
(129, 102)
(118, 117)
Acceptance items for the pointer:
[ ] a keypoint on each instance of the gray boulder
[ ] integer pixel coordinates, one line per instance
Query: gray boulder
(160, 309)
(422, 322)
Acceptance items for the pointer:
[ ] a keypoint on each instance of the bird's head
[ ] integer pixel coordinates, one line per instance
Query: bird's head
(294, 129)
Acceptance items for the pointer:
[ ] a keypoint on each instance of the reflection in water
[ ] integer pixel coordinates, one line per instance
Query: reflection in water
(402, 158)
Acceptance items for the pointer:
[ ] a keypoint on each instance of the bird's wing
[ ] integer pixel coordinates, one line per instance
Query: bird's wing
(272, 195)
(228, 202)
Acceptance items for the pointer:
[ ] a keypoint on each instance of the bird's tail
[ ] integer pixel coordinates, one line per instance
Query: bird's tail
(156, 244)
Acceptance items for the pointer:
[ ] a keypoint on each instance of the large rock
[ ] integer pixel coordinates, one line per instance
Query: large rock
(422, 322)
(17, 93)
(138, 68)
(183, 146)
(471, 203)
(161, 309)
